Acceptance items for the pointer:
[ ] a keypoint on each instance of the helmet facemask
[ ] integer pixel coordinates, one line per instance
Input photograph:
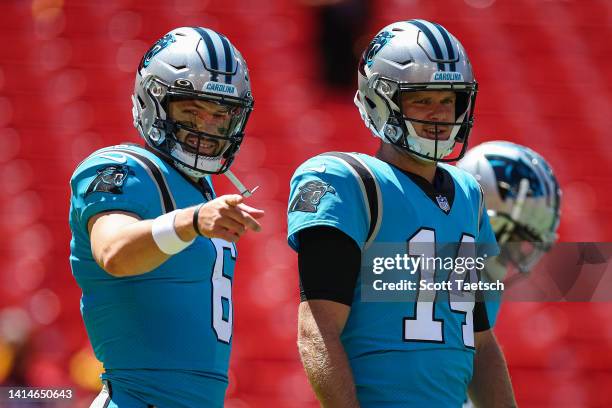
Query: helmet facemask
(188, 140)
(427, 140)
(520, 246)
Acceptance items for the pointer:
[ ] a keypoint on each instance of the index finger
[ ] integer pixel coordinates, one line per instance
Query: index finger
(244, 218)
(252, 211)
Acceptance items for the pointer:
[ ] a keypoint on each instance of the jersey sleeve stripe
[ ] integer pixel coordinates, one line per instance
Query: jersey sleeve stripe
(369, 188)
(376, 196)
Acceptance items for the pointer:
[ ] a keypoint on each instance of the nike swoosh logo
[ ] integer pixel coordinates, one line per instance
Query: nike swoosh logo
(320, 169)
(116, 157)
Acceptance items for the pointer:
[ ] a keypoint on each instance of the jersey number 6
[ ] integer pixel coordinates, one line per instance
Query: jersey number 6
(222, 292)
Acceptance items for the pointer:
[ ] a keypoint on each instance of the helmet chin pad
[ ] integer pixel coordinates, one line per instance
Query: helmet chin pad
(432, 149)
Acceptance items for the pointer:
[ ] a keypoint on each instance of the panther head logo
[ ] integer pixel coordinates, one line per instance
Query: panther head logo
(376, 45)
(310, 196)
(108, 180)
(162, 43)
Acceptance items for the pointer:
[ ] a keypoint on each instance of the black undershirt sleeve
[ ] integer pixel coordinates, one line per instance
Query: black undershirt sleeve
(328, 263)
(481, 317)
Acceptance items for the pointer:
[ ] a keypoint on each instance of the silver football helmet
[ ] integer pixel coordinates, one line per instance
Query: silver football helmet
(193, 63)
(523, 199)
(411, 56)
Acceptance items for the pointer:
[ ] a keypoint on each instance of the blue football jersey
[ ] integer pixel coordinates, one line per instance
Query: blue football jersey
(169, 329)
(403, 353)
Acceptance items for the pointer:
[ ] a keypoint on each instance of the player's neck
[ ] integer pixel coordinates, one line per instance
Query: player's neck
(405, 161)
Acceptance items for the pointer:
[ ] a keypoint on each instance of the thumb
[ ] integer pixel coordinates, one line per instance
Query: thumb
(234, 199)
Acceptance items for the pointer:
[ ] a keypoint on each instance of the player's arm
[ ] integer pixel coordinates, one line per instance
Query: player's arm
(320, 323)
(123, 244)
(490, 386)
(328, 262)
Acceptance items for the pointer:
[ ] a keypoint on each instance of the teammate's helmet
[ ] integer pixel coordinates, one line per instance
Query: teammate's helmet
(192, 63)
(522, 196)
(410, 56)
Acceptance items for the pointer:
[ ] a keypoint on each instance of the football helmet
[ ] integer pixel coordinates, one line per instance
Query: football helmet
(523, 199)
(413, 56)
(199, 64)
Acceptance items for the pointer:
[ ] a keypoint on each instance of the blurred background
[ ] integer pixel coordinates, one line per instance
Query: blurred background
(66, 76)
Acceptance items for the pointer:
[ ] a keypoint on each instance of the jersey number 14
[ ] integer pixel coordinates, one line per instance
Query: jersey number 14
(424, 327)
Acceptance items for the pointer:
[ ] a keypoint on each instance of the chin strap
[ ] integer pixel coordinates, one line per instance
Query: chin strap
(245, 192)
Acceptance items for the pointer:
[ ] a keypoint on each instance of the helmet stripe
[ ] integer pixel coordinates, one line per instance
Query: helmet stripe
(432, 40)
(449, 45)
(212, 53)
(217, 40)
(229, 58)
(215, 37)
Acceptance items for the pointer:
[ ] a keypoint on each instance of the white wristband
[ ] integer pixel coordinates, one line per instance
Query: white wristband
(165, 235)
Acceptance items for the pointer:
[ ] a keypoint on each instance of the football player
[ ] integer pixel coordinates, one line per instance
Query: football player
(523, 200)
(416, 92)
(152, 247)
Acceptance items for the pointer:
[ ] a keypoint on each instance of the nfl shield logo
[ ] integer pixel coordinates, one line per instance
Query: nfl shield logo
(443, 203)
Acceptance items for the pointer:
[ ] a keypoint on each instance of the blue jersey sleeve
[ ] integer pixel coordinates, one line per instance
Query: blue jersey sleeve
(100, 184)
(323, 192)
(487, 245)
